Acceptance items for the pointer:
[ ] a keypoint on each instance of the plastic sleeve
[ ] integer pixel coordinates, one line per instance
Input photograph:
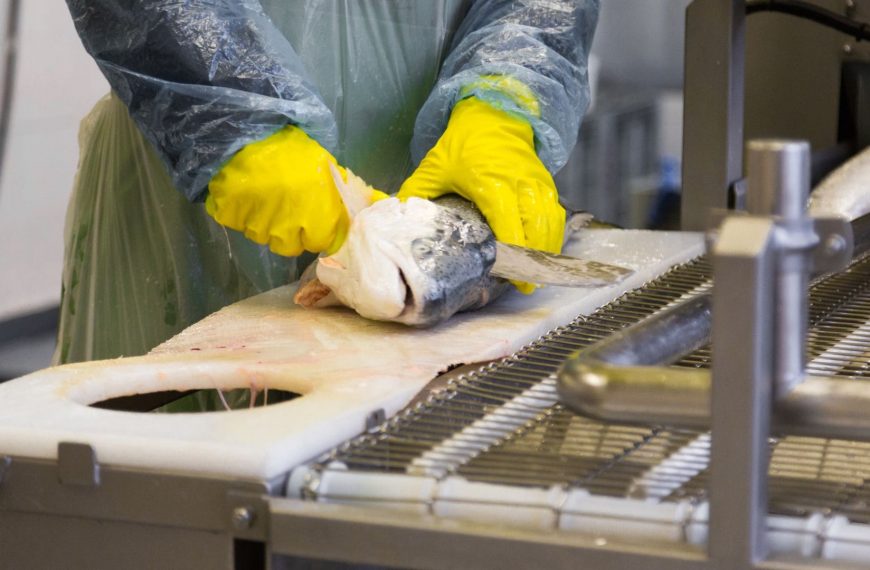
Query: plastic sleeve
(201, 78)
(544, 44)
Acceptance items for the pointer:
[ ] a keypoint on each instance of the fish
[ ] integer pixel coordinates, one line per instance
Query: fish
(418, 262)
(844, 193)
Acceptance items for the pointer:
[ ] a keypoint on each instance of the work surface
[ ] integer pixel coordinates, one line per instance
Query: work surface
(345, 367)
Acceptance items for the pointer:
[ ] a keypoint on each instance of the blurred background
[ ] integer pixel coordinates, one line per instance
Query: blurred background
(625, 168)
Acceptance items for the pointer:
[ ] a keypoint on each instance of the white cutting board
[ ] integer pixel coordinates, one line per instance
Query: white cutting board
(344, 366)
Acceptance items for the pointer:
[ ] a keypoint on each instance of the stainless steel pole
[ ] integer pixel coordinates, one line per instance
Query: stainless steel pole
(779, 186)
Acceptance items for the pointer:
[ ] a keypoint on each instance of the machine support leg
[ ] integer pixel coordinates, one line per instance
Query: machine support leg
(760, 268)
(741, 402)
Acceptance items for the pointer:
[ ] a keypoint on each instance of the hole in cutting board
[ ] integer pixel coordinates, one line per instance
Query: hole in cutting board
(193, 401)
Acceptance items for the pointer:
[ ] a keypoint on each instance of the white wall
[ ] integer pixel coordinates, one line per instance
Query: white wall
(55, 86)
(640, 42)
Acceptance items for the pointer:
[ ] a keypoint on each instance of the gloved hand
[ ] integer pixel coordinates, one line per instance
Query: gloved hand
(279, 191)
(488, 156)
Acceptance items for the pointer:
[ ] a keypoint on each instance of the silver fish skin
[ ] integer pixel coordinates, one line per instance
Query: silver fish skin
(457, 259)
(845, 192)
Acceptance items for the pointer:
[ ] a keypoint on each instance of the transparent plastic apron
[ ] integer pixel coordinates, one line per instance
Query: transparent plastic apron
(141, 263)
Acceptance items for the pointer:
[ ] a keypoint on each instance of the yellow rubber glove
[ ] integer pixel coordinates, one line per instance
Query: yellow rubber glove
(488, 156)
(279, 191)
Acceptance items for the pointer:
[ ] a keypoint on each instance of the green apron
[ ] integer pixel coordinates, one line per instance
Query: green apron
(141, 263)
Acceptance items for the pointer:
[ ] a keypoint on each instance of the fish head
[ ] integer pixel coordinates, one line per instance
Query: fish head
(410, 261)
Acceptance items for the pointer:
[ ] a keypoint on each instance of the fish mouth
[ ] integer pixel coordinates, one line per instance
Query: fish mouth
(409, 293)
(380, 288)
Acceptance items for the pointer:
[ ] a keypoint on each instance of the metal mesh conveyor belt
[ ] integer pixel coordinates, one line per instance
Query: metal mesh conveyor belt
(502, 424)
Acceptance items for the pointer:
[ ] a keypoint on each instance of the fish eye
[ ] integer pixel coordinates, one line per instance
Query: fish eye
(422, 246)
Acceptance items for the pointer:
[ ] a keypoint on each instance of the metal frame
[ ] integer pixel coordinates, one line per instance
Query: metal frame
(87, 515)
(717, 119)
(371, 536)
(382, 537)
(741, 398)
(761, 266)
(713, 109)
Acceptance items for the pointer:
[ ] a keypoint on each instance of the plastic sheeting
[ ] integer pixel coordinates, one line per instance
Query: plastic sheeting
(374, 63)
(202, 79)
(141, 262)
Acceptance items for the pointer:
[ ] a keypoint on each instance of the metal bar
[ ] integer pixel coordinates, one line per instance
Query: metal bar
(124, 495)
(391, 538)
(743, 269)
(38, 541)
(661, 339)
(713, 112)
(779, 186)
(820, 407)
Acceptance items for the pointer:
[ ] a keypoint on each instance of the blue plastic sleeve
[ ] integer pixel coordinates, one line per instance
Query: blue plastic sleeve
(201, 78)
(542, 43)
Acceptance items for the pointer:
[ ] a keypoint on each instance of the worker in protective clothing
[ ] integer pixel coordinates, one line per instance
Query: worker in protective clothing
(243, 104)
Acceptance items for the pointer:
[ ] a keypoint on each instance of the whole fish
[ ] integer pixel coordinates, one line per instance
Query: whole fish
(419, 262)
(845, 192)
